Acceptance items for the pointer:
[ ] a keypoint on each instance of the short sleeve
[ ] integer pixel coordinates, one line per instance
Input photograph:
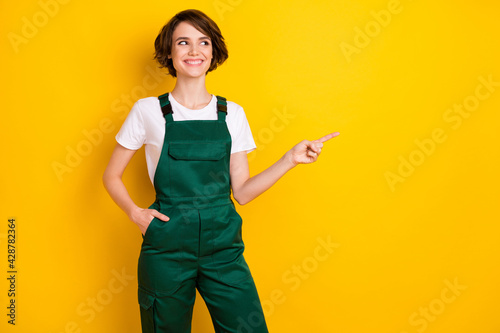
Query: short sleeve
(242, 139)
(132, 134)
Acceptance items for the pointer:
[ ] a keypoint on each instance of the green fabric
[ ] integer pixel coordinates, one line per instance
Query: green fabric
(164, 100)
(201, 246)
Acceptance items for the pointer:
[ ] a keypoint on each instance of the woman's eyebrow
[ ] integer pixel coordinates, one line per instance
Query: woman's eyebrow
(204, 37)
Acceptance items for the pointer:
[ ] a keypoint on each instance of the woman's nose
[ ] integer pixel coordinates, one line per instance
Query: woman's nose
(193, 50)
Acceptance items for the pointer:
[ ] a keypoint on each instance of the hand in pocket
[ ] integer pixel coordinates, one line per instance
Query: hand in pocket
(144, 217)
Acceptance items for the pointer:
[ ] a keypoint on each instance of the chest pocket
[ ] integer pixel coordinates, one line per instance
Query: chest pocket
(202, 151)
(198, 169)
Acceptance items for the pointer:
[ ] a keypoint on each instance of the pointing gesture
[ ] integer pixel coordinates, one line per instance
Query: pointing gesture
(308, 151)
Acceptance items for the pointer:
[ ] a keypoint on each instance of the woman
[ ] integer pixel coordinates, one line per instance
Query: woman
(196, 151)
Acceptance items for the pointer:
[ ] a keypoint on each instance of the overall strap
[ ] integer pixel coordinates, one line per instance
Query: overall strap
(166, 107)
(221, 108)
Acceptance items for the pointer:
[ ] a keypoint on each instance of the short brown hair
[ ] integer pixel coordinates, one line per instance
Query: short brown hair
(203, 23)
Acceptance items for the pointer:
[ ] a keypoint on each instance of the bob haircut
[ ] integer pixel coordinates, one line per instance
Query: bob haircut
(204, 24)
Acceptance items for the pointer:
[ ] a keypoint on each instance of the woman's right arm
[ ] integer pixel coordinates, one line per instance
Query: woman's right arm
(112, 180)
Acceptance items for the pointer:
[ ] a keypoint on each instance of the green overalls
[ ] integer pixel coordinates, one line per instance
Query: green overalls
(200, 247)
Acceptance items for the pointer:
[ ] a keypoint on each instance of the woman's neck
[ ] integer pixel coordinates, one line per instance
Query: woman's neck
(191, 93)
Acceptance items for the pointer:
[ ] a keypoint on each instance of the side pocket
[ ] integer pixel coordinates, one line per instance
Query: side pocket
(146, 302)
(148, 230)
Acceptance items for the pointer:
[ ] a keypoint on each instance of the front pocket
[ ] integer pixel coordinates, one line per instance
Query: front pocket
(201, 151)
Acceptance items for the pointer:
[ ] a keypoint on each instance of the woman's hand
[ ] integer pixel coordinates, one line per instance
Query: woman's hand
(308, 151)
(112, 179)
(143, 217)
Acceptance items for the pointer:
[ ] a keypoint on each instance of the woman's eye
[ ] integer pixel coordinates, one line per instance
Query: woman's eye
(180, 43)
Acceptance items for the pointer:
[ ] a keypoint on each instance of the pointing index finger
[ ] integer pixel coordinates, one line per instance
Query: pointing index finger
(327, 137)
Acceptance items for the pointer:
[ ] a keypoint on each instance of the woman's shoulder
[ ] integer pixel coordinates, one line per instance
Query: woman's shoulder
(233, 107)
(235, 111)
(148, 106)
(148, 102)
(147, 109)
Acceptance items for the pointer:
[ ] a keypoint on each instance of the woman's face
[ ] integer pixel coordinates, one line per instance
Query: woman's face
(191, 51)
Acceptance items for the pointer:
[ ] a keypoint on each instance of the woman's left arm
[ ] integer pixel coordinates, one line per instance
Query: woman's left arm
(246, 188)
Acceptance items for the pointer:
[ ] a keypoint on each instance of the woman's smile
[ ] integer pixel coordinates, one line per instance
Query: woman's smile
(193, 62)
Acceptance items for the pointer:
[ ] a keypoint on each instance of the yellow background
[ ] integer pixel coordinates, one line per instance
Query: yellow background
(400, 244)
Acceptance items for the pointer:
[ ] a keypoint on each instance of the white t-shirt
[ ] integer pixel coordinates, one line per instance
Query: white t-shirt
(145, 124)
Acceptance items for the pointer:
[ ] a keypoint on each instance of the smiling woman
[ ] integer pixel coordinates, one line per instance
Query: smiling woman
(196, 152)
(205, 38)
